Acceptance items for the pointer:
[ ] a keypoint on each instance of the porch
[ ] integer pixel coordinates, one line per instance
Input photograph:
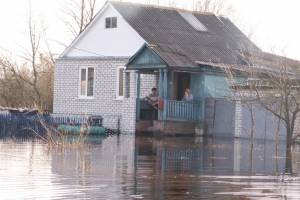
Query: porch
(175, 111)
(173, 116)
(172, 113)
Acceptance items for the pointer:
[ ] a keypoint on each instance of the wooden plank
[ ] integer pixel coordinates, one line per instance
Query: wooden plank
(184, 111)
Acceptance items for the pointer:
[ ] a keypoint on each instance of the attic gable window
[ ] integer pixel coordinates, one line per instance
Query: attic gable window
(111, 22)
(193, 21)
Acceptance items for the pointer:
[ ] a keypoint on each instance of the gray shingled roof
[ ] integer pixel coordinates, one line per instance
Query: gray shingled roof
(180, 45)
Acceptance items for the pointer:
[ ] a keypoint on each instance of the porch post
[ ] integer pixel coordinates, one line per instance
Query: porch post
(138, 94)
(160, 91)
(165, 86)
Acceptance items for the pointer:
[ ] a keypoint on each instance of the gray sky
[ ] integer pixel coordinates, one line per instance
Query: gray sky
(275, 24)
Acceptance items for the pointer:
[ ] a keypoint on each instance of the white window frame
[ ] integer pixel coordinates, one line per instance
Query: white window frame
(118, 97)
(86, 86)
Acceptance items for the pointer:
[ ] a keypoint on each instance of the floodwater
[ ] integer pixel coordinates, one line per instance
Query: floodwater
(129, 167)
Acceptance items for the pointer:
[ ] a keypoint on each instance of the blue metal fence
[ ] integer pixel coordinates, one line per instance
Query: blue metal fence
(12, 125)
(184, 111)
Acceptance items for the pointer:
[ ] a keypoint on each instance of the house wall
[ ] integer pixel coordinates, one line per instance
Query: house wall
(104, 103)
(233, 119)
(98, 41)
(205, 85)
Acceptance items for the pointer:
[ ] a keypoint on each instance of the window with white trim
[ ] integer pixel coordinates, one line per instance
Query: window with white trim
(123, 83)
(111, 22)
(87, 76)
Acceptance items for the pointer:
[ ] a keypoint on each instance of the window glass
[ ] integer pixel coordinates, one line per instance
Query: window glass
(83, 82)
(193, 21)
(121, 82)
(87, 76)
(90, 86)
(111, 22)
(107, 22)
(114, 22)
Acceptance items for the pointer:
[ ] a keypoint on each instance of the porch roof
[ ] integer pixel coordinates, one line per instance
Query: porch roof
(147, 59)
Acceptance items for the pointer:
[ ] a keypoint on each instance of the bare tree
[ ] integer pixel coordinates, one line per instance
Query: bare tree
(12, 90)
(276, 89)
(217, 7)
(32, 80)
(29, 84)
(79, 14)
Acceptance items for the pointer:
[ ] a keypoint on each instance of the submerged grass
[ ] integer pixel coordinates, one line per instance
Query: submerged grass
(55, 138)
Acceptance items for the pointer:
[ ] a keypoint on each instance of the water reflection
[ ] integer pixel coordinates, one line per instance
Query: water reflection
(216, 156)
(125, 167)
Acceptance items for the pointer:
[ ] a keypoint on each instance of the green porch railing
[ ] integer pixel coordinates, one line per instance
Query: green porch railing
(184, 111)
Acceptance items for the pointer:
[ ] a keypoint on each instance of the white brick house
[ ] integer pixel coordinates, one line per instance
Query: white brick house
(166, 48)
(99, 55)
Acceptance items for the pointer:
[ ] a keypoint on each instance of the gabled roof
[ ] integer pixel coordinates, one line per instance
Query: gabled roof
(181, 45)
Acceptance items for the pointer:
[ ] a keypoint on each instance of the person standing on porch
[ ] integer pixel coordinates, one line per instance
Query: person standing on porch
(152, 98)
(188, 96)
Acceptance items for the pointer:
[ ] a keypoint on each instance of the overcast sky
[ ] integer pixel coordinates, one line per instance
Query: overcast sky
(275, 24)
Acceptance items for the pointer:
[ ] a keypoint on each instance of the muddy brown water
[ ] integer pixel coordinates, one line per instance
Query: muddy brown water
(129, 167)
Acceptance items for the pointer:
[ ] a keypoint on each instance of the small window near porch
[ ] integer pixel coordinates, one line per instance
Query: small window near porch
(120, 83)
(87, 82)
(111, 22)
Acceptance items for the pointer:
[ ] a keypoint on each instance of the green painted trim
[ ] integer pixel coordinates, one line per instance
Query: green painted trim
(148, 66)
(145, 57)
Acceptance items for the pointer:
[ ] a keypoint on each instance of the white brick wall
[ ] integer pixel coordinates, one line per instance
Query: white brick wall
(104, 103)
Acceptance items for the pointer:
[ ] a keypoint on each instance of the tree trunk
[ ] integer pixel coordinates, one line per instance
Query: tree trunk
(288, 160)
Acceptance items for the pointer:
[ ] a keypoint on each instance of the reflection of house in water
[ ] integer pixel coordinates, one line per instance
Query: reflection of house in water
(166, 168)
(171, 164)
(176, 165)
(210, 155)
